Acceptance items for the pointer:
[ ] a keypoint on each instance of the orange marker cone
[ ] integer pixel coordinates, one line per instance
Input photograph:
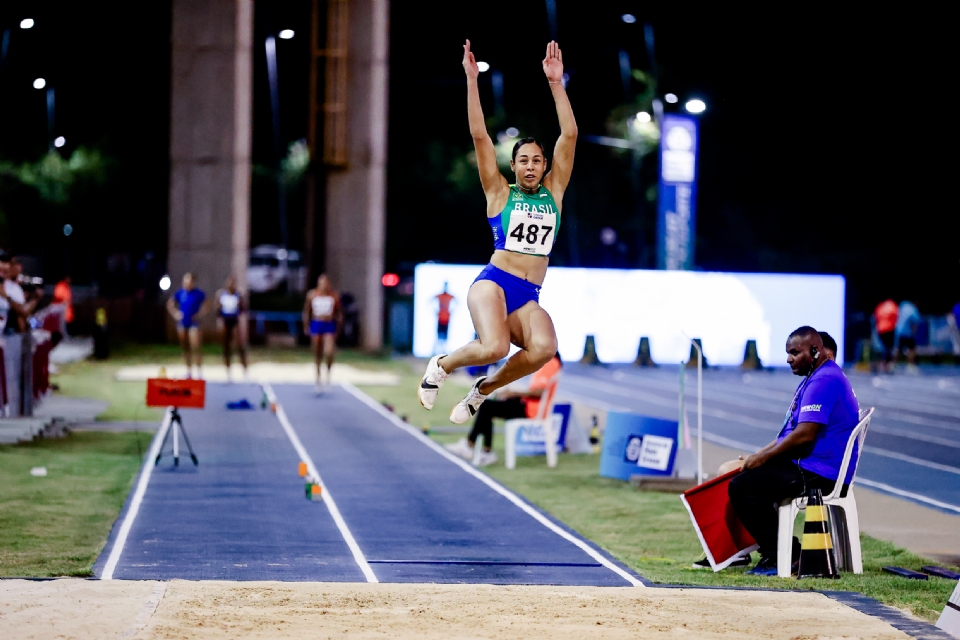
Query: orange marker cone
(817, 559)
(315, 491)
(302, 469)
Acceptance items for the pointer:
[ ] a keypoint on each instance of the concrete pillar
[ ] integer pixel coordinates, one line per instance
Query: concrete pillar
(210, 140)
(356, 195)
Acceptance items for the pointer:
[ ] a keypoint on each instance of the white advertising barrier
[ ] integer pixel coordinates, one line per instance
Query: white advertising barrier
(619, 306)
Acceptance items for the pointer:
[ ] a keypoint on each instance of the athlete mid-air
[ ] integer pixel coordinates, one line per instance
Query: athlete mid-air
(525, 218)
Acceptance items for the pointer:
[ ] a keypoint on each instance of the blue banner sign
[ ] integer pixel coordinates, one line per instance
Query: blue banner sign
(637, 445)
(676, 204)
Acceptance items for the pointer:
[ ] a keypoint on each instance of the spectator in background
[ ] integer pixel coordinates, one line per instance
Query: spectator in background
(232, 309)
(885, 316)
(908, 321)
(829, 345)
(12, 293)
(63, 294)
(5, 309)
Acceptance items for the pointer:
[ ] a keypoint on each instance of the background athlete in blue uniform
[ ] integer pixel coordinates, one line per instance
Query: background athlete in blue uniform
(186, 307)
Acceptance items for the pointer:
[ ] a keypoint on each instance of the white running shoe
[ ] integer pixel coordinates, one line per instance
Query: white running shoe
(461, 448)
(467, 408)
(432, 380)
(485, 459)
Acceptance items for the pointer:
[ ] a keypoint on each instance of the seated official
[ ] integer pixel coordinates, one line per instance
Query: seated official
(829, 345)
(806, 454)
(507, 404)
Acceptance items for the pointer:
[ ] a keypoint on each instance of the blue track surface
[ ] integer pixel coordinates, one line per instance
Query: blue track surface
(416, 516)
(913, 444)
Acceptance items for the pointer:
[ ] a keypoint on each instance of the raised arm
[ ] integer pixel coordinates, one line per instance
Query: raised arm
(559, 177)
(493, 182)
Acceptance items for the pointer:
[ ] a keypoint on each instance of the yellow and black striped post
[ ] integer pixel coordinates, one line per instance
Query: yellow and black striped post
(817, 559)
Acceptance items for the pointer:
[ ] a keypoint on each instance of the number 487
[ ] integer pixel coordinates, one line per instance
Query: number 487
(532, 234)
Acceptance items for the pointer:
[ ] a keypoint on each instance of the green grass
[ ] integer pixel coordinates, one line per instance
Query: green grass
(57, 525)
(650, 531)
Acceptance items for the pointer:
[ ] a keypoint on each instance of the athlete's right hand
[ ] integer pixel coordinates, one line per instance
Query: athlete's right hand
(470, 63)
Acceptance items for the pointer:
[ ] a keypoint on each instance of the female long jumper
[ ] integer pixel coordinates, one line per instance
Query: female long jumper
(525, 218)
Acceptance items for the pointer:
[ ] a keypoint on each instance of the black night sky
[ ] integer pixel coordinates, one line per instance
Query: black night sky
(825, 147)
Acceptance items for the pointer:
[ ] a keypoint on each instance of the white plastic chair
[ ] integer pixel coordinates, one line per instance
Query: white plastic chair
(544, 419)
(790, 508)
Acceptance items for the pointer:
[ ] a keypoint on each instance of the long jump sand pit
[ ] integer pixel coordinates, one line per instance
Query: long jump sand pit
(71, 608)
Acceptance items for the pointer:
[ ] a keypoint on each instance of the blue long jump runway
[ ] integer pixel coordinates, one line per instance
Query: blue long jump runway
(416, 514)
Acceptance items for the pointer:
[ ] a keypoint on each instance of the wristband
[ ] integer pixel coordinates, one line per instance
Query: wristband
(557, 82)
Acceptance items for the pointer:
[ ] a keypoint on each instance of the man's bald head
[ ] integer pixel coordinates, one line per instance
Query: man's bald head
(804, 350)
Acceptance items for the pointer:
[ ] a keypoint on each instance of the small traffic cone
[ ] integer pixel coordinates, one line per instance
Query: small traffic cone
(590, 351)
(162, 373)
(302, 469)
(315, 492)
(751, 358)
(694, 354)
(817, 559)
(644, 359)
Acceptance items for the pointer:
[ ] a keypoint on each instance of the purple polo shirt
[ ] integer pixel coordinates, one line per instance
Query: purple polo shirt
(827, 399)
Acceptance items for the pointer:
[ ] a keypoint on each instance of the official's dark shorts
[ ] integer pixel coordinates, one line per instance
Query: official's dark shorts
(908, 342)
(886, 339)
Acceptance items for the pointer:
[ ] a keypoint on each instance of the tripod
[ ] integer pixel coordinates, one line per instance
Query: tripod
(176, 426)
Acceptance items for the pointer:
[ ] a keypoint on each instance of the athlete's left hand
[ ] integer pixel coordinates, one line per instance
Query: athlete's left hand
(553, 63)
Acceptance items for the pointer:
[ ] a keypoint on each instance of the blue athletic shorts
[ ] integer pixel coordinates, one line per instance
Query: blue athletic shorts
(517, 291)
(187, 322)
(320, 327)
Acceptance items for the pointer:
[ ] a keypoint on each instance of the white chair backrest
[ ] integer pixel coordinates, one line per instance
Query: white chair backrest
(858, 435)
(549, 394)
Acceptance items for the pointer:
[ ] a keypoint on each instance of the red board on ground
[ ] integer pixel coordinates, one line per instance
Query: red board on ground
(721, 533)
(167, 392)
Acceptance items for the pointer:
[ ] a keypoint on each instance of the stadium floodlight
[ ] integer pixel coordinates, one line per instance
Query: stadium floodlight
(165, 283)
(67, 229)
(671, 98)
(286, 34)
(27, 23)
(695, 106)
(39, 83)
(483, 66)
(629, 18)
(643, 116)
(59, 142)
(512, 132)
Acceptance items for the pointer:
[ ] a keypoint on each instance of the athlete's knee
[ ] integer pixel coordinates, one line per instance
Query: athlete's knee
(541, 349)
(494, 350)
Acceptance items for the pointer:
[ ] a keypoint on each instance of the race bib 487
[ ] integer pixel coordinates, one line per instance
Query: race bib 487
(531, 229)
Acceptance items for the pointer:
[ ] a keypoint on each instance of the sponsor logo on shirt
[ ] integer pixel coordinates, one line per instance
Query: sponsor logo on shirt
(810, 407)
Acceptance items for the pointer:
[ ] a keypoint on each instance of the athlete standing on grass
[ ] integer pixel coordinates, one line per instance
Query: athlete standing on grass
(322, 314)
(525, 218)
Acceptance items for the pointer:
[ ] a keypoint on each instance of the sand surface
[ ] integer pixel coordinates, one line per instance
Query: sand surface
(71, 608)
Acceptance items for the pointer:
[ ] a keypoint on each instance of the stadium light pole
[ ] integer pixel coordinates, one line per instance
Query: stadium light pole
(271, 51)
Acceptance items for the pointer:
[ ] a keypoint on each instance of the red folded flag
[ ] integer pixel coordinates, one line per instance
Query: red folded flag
(721, 533)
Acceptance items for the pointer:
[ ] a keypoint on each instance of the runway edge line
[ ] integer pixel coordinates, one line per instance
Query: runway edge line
(145, 473)
(327, 497)
(493, 484)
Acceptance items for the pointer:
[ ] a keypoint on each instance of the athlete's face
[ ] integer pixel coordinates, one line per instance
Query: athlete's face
(188, 282)
(529, 165)
(230, 284)
(323, 284)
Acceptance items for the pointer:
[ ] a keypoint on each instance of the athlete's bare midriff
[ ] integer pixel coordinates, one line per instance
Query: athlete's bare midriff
(530, 268)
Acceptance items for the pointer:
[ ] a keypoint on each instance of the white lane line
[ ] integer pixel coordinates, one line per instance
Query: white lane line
(487, 480)
(147, 610)
(912, 460)
(148, 465)
(907, 494)
(324, 491)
